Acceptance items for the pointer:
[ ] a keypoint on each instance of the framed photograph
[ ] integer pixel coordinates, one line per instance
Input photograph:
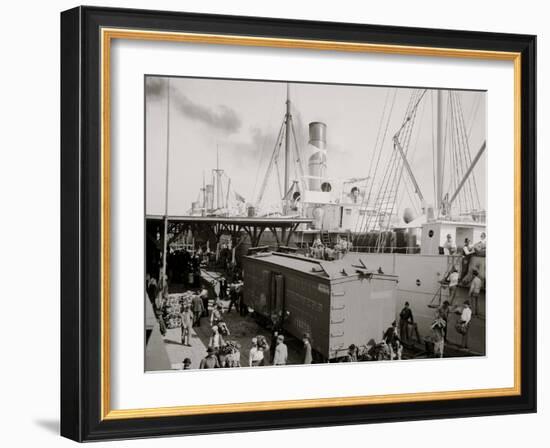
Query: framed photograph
(273, 224)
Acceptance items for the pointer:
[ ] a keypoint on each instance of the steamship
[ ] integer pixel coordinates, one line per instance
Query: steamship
(358, 217)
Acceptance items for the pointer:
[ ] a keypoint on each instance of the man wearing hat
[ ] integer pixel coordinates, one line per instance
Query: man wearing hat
(453, 283)
(352, 354)
(281, 352)
(391, 335)
(216, 339)
(475, 289)
(210, 361)
(463, 325)
(256, 355)
(204, 297)
(438, 326)
(405, 318)
(233, 298)
(198, 309)
(443, 313)
(186, 365)
(186, 325)
(273, 344)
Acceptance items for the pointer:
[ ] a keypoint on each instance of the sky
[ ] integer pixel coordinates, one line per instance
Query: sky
(239, 122)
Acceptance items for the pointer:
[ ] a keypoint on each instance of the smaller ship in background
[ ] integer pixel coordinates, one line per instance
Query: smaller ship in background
(218, 197)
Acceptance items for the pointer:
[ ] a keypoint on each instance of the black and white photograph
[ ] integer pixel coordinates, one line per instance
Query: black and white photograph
(267, 223)
(305, 223)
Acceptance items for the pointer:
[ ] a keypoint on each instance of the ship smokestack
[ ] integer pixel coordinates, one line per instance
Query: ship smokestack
(209, 197)
(317, 164)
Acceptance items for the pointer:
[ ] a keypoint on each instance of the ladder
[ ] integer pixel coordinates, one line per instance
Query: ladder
(437, 296)
(325, 238)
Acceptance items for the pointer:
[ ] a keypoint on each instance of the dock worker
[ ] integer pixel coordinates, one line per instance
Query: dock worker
(187, 318)
(233, 298)
(352, 354)
(438, 331)
(223, 352)
(475, 289)
(186, 364)
(308, 357)
(210, 361)
(216, 339)
(198, 309)
(216, 285)
(265, 348)
(405, 318)
(463, 325)
(281, 352)
(449, 247)
(216, 315)
(274, 337)
(233, 359)
(204, 297)
(151, 288)
(196, 268)
(467, 253)
(443, 313)
(243, 308)
(393, 342)
(453, 284)
(481, 246)
(256, 355)
(390, 335)
(223, 288)
(396, 350)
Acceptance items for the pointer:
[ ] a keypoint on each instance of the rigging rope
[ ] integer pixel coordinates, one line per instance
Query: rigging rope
(388, 191)
(473, 115)
(376, 151)
(407, 181)
(468, 194)
(274, 156)
(466, 142)
(433, 145)
(264, 146)
(400, 165)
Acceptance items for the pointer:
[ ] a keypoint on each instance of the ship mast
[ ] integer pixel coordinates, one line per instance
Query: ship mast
(285, 135)
(439, 154)
(164, 240)
(203, 195)
(218, 180)
(288, 118)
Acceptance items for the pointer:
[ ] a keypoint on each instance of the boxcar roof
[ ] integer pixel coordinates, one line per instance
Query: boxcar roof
(319, 268)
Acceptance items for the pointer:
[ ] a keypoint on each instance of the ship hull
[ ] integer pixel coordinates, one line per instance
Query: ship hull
(419, 284)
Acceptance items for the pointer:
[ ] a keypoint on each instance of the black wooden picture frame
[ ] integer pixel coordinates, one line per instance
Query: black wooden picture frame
(82, 409)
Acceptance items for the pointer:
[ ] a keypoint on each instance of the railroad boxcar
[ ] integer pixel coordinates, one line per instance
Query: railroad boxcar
(337, 303)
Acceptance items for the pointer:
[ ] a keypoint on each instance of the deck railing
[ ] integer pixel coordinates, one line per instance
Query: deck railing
(387, 250)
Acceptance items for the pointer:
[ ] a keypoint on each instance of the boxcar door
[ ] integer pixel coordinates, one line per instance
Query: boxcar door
(277, 295)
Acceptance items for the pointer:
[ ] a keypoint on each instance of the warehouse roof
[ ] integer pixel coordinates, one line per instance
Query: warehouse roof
(243, 220)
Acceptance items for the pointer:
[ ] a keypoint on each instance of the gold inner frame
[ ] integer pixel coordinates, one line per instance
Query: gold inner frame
(107, 35)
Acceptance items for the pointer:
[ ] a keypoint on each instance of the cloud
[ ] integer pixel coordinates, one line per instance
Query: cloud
(256, 143)
(222, 118)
